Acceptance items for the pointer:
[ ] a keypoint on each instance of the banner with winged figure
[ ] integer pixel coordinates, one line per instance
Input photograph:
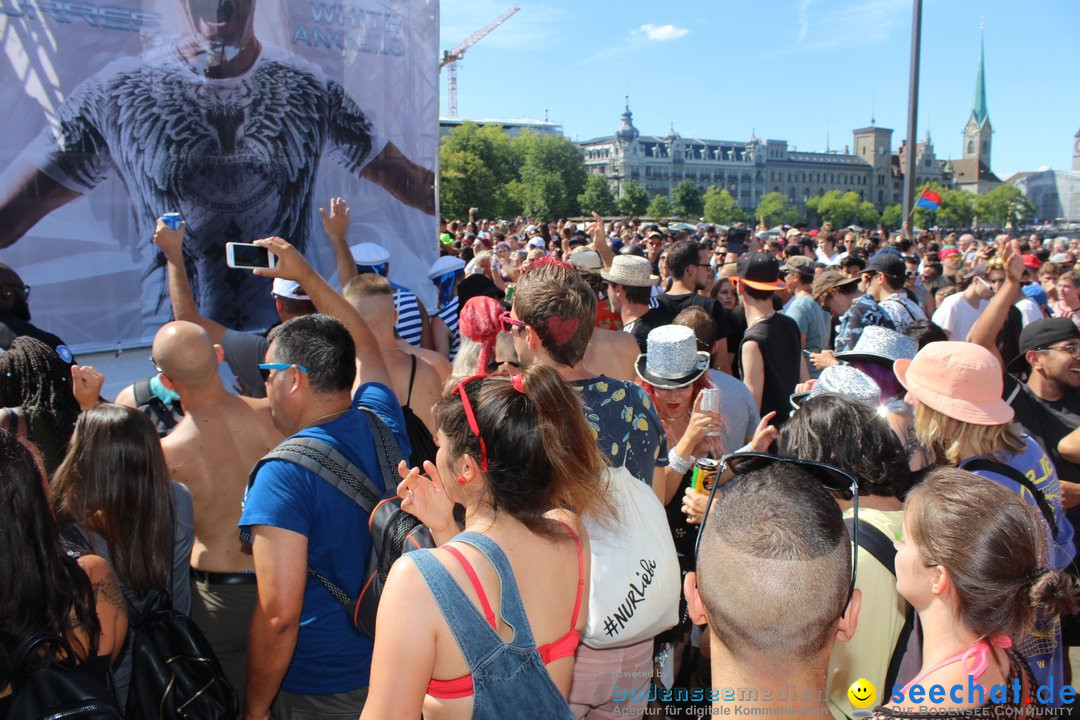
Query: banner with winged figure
(243, 116)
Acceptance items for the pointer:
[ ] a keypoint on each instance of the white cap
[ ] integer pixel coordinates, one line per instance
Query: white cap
(446, 264)
(538, 242)
(369, 254)
(288, 289)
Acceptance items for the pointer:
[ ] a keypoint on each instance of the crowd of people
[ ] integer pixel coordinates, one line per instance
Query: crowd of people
(863, 447)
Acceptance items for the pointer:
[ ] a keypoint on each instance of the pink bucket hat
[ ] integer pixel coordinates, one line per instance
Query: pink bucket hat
(960, 380)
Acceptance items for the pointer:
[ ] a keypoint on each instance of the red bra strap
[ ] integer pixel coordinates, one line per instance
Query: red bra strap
(581, 576)
(488, 612)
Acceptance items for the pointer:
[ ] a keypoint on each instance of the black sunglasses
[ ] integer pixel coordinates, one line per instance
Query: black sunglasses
(832, 477)
(493, 365)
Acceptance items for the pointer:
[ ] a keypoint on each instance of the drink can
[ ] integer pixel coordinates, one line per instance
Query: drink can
(710, 402)
(172, 219)
(705, 471)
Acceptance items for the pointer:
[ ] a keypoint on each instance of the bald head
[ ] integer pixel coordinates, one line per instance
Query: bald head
(373, 297)
(185, 354)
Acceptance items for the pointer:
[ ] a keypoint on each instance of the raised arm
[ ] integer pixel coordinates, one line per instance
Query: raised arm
(171, 243)
(336, 225)
(291, 265)
(33, 197)
(986, 329)
(600, 242)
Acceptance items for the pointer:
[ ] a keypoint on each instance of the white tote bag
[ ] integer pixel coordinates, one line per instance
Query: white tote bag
(635, 580)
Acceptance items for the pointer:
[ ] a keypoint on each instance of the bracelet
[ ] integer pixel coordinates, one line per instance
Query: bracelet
(678, 463)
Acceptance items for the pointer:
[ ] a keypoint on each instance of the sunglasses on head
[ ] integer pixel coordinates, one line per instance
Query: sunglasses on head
(832, 477)
(509, 324)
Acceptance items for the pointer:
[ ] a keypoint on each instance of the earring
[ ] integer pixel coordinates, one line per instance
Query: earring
(461, 480)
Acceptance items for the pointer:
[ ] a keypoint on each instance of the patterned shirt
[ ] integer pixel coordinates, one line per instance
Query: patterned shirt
(863, 312)
(624, 421)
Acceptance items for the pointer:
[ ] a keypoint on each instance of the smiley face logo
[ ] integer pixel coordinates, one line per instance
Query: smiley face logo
(862, 693)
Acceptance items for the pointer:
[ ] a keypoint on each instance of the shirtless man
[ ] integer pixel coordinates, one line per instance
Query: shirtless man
(612, 353)
(373, 297)
(212, 450)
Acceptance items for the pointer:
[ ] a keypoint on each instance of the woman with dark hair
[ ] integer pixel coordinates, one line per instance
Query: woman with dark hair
(113, 486)
(460, 627)
(36, 397)
(849, 434)
(46, 589)
(978, 581)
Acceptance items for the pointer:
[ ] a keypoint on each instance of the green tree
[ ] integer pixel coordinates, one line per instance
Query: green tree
(597, 196)
(634, 200)
(721, 208)
(771, 206)
(891, 216)
(957, 208)
(475, 165)
(866, 214)
(552, 175)
(1005, 205)
(838, 208)
(686, 200)
(660, 207)
(790, 216)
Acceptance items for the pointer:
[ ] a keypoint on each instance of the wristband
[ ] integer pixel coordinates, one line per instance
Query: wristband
(678, 463)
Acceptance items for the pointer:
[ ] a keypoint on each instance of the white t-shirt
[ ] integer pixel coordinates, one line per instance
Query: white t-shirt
(1029, 310)
(956, 316)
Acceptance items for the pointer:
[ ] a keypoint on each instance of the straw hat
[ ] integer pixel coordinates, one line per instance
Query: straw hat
(630, 270)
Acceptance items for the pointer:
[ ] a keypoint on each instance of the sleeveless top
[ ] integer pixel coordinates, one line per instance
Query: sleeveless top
(449, 315)
(423, 444)
(409, 323)
(500, 673)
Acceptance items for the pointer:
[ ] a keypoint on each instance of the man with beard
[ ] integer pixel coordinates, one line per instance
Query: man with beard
(220, 128)
(689, 265)
(15, 315)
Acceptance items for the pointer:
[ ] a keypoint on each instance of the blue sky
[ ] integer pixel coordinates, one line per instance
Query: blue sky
(797, 70)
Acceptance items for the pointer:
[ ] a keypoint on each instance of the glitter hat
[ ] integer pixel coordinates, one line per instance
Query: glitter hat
(960, 380)
(881, 345)
(844, 380)
(672, 359)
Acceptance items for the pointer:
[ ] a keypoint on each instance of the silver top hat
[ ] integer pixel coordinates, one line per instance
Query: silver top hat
(844, 380)
(672, 359)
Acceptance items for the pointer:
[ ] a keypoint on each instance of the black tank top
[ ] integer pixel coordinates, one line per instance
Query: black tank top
(777, 338)
(423, 444)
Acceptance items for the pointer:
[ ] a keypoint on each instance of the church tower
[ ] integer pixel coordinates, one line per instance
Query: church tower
(977, 132)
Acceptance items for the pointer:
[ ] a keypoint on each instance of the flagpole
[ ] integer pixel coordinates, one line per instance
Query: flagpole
(913, 111)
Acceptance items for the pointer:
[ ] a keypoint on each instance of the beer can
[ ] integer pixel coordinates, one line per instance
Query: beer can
(172, 219)
(705, 471)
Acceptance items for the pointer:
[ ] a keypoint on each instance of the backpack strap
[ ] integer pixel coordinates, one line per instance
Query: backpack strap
(322, 459)
(882, 549)
(988, 465)
(389, 454)
(142, 392)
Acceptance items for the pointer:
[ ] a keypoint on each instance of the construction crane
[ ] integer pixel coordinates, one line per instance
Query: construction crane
(450, 57)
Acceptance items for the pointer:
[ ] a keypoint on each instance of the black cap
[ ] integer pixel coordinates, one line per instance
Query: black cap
(760, 270)
(888, 263)
(1044, 333)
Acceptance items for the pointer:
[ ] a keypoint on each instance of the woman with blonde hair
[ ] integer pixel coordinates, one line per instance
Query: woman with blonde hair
(955, 389)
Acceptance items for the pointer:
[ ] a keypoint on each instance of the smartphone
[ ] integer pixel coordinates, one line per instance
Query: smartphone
(246, 255)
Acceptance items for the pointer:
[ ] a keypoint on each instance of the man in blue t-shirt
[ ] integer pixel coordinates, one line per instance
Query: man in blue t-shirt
(304, 654)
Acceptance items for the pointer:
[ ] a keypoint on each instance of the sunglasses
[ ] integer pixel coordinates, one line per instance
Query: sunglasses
(493, 365)
(15, 286)
(509, 324)
(265, 368)
(470, 417)
(832, 477)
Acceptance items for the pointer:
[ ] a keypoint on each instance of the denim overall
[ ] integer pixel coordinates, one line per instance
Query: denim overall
(509, 679)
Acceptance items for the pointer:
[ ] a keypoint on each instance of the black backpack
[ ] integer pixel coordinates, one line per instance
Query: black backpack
(165, 417)
(393, 531)
(53, 689)
(174, 672)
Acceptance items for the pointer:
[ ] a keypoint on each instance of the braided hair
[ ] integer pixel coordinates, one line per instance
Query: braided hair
(32, 375)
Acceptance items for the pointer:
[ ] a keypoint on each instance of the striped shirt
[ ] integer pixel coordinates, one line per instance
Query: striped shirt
(449, 315)
(409, 322)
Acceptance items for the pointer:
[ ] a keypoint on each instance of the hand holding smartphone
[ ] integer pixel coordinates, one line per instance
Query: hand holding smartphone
(248, 256)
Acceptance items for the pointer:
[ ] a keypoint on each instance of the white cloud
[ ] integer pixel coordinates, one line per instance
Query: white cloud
(804, 19)
(661, 33)
(857, 23)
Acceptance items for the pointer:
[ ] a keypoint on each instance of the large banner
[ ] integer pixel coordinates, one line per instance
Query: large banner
(245, 117)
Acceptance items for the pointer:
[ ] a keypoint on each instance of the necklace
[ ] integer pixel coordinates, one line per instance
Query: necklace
(759, 318)
(327, 416)
(667, 419)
